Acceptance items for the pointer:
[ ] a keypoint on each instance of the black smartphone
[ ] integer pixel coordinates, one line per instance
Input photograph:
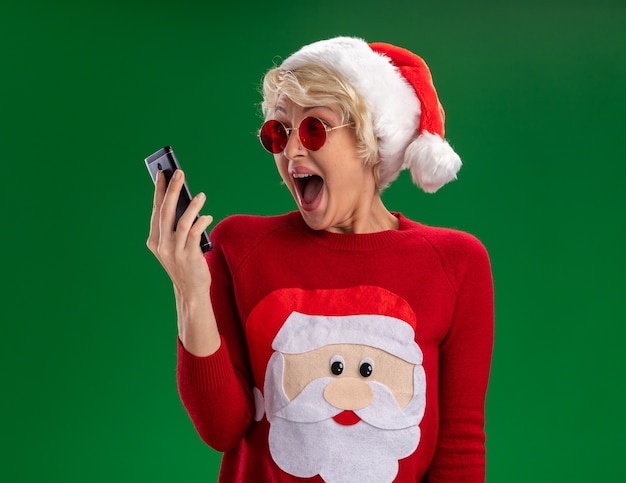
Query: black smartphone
(164, 160)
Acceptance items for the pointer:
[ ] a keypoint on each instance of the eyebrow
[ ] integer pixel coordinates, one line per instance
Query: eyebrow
(306, 109)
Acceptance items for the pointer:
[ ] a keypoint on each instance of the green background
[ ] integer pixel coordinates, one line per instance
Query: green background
(535, 103)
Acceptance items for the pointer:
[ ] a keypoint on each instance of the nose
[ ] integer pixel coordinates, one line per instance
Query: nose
(348, 393)
(294, 146)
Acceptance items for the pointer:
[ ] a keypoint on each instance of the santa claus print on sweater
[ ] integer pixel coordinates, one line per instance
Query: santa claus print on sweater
(344, 389)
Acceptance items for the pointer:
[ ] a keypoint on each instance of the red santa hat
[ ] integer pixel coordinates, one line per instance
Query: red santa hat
(294, 320)
(398, 89)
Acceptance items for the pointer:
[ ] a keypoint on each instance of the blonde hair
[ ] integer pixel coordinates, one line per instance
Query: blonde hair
(318, 85)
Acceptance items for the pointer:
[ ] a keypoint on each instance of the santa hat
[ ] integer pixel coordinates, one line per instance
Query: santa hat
(398, 90)
(389, 334)
(294, 320)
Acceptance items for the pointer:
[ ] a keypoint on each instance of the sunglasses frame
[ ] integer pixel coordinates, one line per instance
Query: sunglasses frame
(289, 130)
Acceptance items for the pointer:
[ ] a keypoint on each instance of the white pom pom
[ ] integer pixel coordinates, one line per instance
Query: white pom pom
(432, 162)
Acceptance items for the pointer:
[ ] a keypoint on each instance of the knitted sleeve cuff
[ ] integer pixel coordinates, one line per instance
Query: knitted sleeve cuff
(207, 372)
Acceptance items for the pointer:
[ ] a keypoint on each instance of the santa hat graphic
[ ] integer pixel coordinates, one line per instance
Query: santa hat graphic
(398, 89)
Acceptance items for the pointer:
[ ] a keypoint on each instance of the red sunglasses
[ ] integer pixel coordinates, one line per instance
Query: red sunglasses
(311, 131)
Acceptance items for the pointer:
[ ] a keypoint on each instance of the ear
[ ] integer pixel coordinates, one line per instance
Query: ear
(259, 404)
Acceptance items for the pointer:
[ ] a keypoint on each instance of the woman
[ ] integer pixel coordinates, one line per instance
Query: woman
(340, 342)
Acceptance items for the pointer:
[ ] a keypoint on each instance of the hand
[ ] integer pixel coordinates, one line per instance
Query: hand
(180, 254)
(179, 251)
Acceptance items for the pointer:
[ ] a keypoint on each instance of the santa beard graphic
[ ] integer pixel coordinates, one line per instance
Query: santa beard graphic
(306, 441)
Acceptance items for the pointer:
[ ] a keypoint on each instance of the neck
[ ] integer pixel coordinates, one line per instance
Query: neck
(371, 218)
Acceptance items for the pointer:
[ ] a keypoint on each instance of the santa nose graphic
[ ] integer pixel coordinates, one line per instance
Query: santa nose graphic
(348, 393)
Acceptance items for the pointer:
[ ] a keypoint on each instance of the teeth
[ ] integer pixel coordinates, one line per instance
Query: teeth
(302, 175)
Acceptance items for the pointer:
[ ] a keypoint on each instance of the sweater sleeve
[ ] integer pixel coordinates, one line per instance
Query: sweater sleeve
(465, 359)
(216, 390)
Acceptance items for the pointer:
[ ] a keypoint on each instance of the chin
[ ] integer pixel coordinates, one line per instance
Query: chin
(312, 221)
(316, 217)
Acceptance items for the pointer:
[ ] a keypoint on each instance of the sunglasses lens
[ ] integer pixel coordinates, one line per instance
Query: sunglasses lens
(312, 133)
(273, 136)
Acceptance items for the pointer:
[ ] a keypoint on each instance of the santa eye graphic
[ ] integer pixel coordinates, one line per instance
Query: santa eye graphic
(336, 365)
(366, 367)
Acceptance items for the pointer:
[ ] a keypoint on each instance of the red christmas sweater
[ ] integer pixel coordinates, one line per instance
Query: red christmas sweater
(344, 357)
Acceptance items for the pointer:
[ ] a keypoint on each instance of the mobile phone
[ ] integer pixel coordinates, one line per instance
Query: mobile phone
(164, 160)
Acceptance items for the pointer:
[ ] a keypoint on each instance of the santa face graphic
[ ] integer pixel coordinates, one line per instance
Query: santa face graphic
(344, 396)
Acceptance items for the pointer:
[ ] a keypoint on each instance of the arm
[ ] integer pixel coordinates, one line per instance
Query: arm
(465, 359)
(215, 398)
(216, 390)
(179, 253)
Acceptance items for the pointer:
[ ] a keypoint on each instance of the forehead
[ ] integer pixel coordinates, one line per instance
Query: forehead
(285, 107)
(347, 351)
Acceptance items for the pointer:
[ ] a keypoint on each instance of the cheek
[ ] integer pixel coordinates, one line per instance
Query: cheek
(301, 369)
(397, 375)
(351, 171)
(281, 166)
(347, 182)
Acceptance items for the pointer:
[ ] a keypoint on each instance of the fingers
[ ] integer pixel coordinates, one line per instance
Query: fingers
(168, 206)
(159, 194)
(163, 241)
(191, 225)
(201, 224)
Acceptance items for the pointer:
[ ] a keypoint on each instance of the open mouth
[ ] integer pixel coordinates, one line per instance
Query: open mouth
(309, 188)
